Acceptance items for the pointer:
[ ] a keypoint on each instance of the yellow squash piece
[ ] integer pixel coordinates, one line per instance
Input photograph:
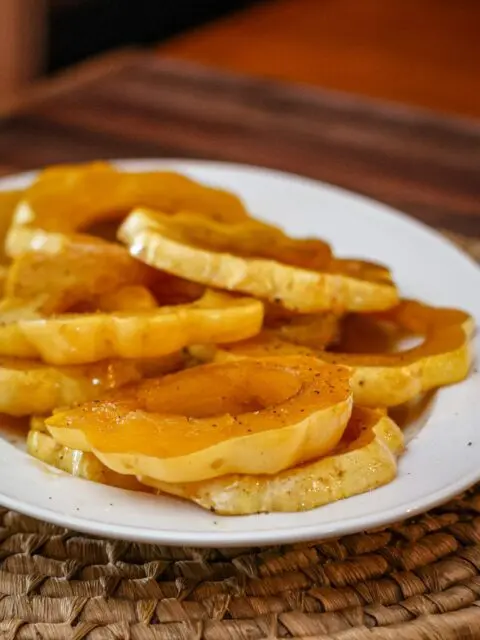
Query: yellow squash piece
(129, 298)
(284, 334)
(90, 337)
(315, 330)
(3, 279)
(264, 345)
(444, 357)
(69, 199)
(361, 269)
(37, 423)
(247, 417)
(8, 203)
(364, 460)
(383, 379)
(238, 258)
(77, 463)
(248, 238)
(82, 268)
(170, 290)
(29, 387)
(13, 310)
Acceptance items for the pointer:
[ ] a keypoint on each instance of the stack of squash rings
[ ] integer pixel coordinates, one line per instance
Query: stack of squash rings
(157, 337)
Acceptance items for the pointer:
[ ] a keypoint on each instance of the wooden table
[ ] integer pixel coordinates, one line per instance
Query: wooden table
(417, 52)
(134, 104)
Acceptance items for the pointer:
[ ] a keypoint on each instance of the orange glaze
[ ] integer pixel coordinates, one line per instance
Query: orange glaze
(200, 407)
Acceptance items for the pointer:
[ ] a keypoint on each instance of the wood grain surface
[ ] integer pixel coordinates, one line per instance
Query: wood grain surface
(137, 105)
(418, 52)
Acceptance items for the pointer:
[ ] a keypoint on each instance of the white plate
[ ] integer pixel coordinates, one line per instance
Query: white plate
(442, 459)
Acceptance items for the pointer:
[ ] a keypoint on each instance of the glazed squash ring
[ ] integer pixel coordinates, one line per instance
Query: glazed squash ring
(315, 330)
(241, 417)
(42, 446)
(90, 337)
(31, 387)
(444, 357)
(384, 379)
(68, 199)
(219, 255)
(83, 267)
(8, 203)
(364, 460)
(249, 239)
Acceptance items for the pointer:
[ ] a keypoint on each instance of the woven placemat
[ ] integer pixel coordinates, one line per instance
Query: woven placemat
(417, 580)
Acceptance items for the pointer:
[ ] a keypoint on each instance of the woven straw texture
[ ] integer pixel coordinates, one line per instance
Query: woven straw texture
(417, 580)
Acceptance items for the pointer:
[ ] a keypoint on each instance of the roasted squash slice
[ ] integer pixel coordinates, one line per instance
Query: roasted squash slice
(82, 268)
(247, 417)
(68, 199)
(77, 463)
(364, 460)
(30, 387)
(37, 423)
(284, 333)
(3, 279)
(363, 269)
(235, 258)
(129, 298)
(8, 202)
(91, 337)
(255, 239)
(382, 379)
(264, 345)
(444, 357)
(315, 330)
(248, 238)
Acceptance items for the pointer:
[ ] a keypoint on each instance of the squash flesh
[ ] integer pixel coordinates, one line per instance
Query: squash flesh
(84, 338)
(364, 460)
(77, 463)
(213, 254)
(82, 269)
(31, 387)
(8, 202)
(383, 379)
(248, 417)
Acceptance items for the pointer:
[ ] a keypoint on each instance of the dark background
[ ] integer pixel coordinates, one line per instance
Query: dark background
(80, 28)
